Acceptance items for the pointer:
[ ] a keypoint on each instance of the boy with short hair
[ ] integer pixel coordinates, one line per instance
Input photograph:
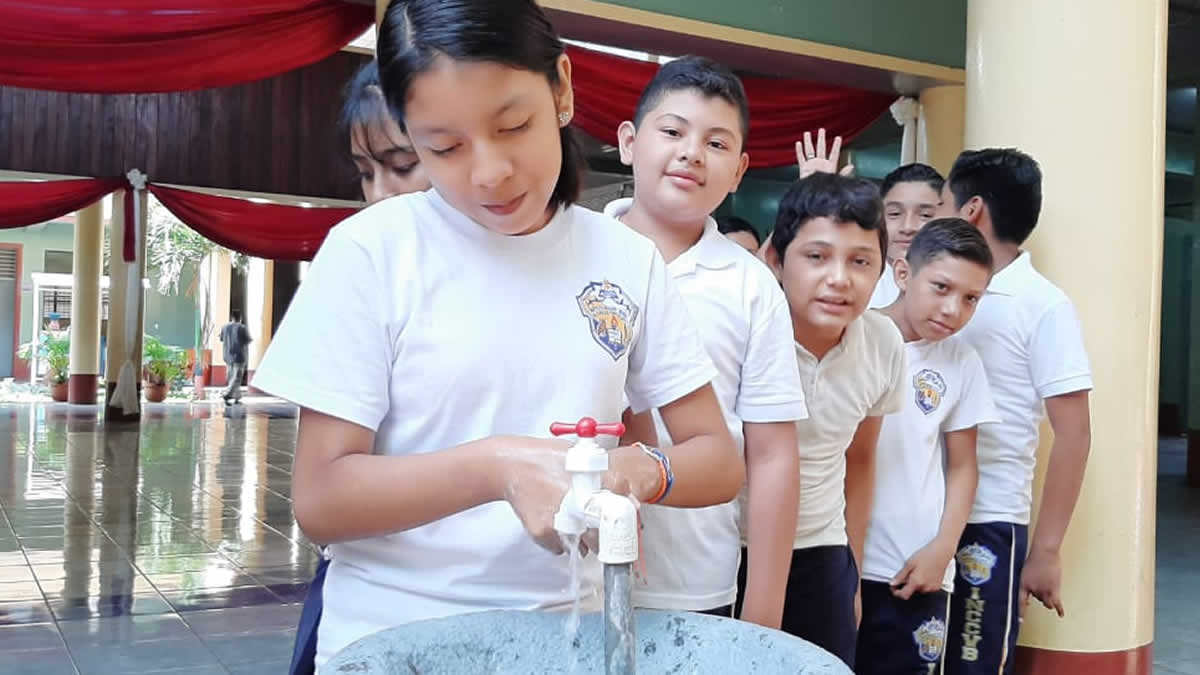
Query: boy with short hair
(827, 250)
(920, 507)
(686, 146)
(740, 232)
(1028, 335)
(911, 195)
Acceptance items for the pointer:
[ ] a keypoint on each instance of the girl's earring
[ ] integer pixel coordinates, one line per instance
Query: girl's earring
(564, 118)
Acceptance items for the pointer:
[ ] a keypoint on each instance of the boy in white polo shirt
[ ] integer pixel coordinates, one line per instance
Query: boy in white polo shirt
(920, 507)
(685, 144)
(1028, 335)
(911, 195)
(828, 249)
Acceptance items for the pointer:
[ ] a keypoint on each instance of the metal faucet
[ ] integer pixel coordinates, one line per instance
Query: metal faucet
(587, 505)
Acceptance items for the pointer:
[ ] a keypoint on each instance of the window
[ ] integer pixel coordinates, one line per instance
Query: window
(57, 262)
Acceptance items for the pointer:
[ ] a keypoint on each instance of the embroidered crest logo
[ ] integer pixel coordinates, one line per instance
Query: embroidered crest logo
(929, 388)
(610, 314)
(931, 639)
(975, 563)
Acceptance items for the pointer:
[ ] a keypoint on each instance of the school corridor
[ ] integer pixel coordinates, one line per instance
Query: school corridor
(171, 547)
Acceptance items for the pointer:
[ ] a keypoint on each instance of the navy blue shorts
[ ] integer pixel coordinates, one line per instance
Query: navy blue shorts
(901, 637)
(819, 603)
(304, 652)
(984, 616)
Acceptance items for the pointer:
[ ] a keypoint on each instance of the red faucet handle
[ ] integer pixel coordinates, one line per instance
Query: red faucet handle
(587, 428)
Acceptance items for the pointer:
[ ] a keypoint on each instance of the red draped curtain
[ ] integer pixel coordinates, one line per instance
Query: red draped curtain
(607, 88)
(264, 230)
(272, 231)
(29, 203)
(146, 46)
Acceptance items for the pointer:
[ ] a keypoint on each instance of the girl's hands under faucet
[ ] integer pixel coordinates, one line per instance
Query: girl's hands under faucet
(535, 481)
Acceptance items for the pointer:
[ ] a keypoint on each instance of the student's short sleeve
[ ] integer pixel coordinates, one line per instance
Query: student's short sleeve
(770, 389)
(668, 361)
(332, 353)
(1058, 362)
(974, 405)
(892, 399)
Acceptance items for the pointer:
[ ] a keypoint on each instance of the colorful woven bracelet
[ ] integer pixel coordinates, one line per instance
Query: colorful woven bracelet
(666, 476)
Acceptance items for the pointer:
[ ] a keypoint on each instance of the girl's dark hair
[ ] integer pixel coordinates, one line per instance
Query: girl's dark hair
(363, 106)
(510, 32)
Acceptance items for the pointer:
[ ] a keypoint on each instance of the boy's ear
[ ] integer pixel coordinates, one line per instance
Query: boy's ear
(626, 134)
(741, 172)
(770, 256)
(973, 210)
(902, 272)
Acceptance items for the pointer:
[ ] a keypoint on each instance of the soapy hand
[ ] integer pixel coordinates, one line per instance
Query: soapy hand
(535, 480)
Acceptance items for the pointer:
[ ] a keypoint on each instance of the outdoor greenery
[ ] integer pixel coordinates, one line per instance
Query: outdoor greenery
(55, 351)
(164, 364)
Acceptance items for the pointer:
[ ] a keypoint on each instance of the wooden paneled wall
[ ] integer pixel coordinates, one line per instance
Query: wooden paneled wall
(277, 135)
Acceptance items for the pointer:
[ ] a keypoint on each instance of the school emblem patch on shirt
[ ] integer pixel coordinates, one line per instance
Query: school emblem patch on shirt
(929, 389)
(610, 314)
(931, 639)
(975, 563)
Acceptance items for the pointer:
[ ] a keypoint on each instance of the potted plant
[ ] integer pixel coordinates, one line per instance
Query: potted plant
(163, 365)
(55, 351)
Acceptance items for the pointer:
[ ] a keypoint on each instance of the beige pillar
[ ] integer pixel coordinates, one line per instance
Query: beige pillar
(942, 118)
(1044, 76)
(260, 282)
(218, 268)
(380, 7)
(118, 282)
(87, 260)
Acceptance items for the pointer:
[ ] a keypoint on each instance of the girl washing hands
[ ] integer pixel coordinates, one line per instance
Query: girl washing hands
(438, 334)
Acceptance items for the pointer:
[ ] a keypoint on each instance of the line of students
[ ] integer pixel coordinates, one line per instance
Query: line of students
(470, 316)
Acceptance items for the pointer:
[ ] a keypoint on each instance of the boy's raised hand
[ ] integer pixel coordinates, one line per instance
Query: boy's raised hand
(813, 159)
(924, 571)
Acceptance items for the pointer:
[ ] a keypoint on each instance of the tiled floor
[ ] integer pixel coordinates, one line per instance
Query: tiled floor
(172, 549)
(1177, 583)
(166, 549)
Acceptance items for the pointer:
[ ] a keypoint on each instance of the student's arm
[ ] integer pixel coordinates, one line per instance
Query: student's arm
(860, 483)
(704, 459)
(342, 491)
(1071, 421)
(1062, 377)
(670, 370)
(639, 429)
(772, 470)
(925, 570)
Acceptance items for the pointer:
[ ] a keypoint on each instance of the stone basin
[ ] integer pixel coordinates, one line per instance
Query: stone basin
(509, 642)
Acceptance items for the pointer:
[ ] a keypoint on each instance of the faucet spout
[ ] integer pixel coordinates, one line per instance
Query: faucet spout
(586, 506)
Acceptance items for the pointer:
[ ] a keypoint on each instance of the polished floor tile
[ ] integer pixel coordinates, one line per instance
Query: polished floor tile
(169, 548)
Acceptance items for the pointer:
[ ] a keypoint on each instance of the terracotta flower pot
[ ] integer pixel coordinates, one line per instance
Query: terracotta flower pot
(58, 391)
(155, 393)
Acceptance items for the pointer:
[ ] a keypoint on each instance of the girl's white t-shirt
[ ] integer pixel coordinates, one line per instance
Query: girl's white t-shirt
(420, 324)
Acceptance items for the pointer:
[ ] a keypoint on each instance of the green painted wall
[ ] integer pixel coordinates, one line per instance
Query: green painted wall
(1174, 368)
(757, 199)
(934, 31)
(172, 318)
(34, 242)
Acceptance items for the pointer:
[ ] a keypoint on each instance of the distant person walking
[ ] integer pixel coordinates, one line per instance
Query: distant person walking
(236, 339)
